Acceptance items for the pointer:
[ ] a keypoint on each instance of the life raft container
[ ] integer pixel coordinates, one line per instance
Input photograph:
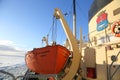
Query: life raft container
(47, 60)
(116, 25)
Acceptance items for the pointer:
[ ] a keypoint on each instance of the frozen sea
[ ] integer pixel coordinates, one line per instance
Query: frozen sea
(12, 64)
(10, 60)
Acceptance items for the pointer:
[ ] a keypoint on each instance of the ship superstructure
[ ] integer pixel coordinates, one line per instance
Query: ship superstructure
(101, 57)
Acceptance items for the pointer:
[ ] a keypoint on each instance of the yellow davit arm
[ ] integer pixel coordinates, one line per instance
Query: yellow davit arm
(74, 47)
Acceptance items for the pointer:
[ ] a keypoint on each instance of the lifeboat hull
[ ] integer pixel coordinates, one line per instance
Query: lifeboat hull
(47, 60)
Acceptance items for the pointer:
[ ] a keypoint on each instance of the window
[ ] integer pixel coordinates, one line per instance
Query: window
(116, 11)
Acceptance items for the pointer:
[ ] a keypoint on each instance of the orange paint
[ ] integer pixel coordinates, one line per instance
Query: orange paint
(47, 60)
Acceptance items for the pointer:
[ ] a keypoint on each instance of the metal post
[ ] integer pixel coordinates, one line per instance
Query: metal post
(74, 18)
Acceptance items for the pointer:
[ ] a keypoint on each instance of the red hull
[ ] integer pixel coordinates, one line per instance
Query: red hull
(47, 60)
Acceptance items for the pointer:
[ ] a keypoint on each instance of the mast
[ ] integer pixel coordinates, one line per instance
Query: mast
(74, 18)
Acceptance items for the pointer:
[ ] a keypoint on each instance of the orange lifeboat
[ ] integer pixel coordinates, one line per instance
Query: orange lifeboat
(47, 60)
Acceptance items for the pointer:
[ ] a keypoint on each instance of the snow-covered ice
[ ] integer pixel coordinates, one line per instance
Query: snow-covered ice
(9, 60)
(12, 64)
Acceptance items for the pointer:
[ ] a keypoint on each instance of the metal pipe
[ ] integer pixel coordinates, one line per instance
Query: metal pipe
(115, 72)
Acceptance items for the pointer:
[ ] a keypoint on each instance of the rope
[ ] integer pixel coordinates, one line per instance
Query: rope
(54, 31)
(51, 26)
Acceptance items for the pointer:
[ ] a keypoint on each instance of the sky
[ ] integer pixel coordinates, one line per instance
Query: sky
(23, 23)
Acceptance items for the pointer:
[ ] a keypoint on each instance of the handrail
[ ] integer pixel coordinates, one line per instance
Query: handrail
(111, 76)
(4, 72)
